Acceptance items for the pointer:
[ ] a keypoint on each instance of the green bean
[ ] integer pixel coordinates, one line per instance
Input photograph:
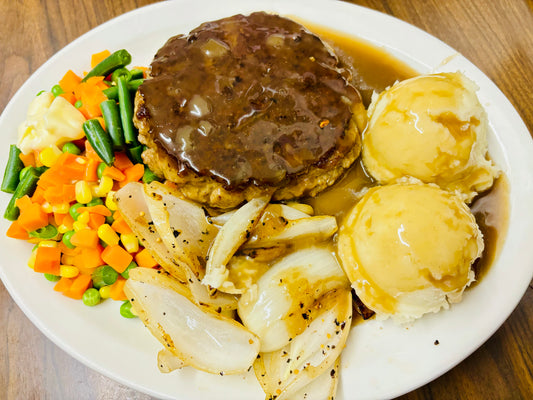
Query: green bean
(70, 147)
(91, 297)
(111, 115)
(66, 239)
(12, 172)
(125, 310)
(104, 276)
(136, 73)
(121, 73)
(118, 59)
(47, 232)
(149, 176)
(112, 92)
(99, 140)
(25, 187)
(126, 113)
(134, 154)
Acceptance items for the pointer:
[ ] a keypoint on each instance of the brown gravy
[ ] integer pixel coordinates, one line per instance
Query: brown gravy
(374, 70)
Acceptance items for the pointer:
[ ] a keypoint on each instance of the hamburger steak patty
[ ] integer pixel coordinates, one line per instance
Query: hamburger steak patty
(245, 106)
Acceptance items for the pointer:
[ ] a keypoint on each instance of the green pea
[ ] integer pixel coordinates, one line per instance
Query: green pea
(91, 297)
(97, 201)
(73, 210)
(47, 232)
(104, 276)
(56, 90)
(100, 169)
(66, 239)
(126, 273)
(52, 278)
(71, 148)
(78, 104)
(125, 310)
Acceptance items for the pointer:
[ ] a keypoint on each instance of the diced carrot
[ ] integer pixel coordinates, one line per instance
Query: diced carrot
(63, 284)
(60, 194)
(15, 231)
(95, 220)
(38, 195)
(23, 202)
(133, 174)
(68, 221)
(117, 257)
(85, 238)
(65, 250)
(69, 96)
(120, 225)
(90, 153)
(102, 122)
(47, 260)
(144, 259)
(32, 217)
(91, 95)
(96, 58)
(58, 218)
(89, 258)
(98, 209)
(90, 172)
(38, 162)
(116, 290)
(68, 169)
(113, 173)
(27, 159)
(79, 286)
(122, 161)
(69, 81)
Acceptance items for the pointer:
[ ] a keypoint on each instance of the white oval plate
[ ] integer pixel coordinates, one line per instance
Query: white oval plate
(381, 360)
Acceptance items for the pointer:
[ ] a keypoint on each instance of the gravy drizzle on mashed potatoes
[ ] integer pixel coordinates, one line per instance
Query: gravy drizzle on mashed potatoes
(275, 265)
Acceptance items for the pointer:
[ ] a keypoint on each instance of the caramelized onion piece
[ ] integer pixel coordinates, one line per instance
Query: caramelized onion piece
(168, 361)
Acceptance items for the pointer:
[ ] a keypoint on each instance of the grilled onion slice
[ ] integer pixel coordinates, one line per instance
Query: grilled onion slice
(276, 308)
(196, 335)
(288, 372)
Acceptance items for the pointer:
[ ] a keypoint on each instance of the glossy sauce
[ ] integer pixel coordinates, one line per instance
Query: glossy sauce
(248, 99)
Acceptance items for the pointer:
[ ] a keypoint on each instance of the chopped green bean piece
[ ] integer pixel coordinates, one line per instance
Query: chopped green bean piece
(13, 170)
(47, 232)
(66, 239)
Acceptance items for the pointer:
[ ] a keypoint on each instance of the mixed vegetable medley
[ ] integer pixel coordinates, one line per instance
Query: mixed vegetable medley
(76, 148)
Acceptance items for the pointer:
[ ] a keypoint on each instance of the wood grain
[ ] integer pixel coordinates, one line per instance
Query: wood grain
(496, 35)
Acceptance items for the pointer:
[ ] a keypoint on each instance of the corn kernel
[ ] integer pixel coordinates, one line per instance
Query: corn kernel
(84, 217)
(63, 228)
(83, 192)
(47, 243)
(105, 292)
(110, 201)
(61, 208)
(104, 187)
(68, 271)
(47, 207)
(31, 260)
(108, 234)
(49, 156)
(78, 226)
(130, 242)
(68, 260)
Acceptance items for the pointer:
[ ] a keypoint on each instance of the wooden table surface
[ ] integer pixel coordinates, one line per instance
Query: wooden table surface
(496, 35)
